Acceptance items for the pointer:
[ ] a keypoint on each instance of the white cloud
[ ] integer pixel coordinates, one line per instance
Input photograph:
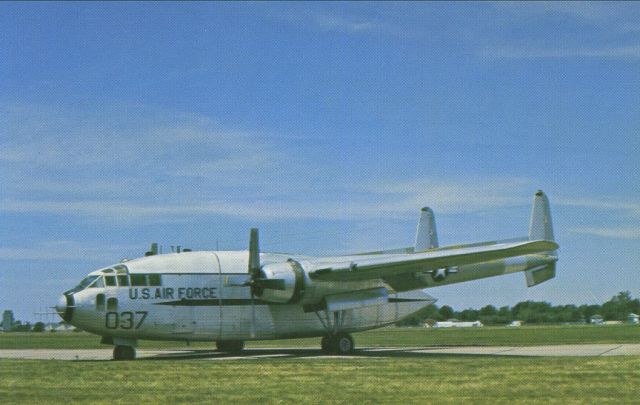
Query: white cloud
(62, 250)
(589, 30)
(612, 232)
(619, 204)
(331, 21)
(586, 11)
(124, 137)
(135, 149)
(456, 195)
(389, 199)
(631, 52)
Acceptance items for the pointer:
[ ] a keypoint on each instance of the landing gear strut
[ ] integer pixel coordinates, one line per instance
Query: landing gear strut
(124, 353)
(230, 346)
(336, 341)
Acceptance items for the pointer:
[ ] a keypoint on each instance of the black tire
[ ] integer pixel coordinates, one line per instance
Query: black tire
(342, 343)
(230, 346)
(124, 353)
(325, 344)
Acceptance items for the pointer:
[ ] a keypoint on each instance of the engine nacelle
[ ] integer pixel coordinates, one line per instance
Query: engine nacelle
(291, 288)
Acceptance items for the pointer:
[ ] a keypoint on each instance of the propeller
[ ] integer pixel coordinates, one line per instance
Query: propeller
(258, 281)
(254, 274)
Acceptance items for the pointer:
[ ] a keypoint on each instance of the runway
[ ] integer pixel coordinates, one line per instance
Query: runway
(313, 353)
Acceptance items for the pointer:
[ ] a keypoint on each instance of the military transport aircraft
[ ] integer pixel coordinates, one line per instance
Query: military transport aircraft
(231, 297)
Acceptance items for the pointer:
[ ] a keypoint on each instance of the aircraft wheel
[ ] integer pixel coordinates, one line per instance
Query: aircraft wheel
(124, 353)
(342, 343)
(230, 346)
(326, 344)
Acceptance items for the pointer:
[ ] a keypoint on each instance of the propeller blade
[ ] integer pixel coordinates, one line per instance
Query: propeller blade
(254, 273)
(272, 284)
(254, 254)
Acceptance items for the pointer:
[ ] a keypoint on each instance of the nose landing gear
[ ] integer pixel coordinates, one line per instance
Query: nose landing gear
(124, 353)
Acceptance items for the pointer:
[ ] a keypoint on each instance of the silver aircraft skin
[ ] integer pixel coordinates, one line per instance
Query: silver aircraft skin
(233, 296)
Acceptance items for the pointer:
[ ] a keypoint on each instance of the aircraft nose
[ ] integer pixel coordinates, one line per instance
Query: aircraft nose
(61, 306)
(65, 306)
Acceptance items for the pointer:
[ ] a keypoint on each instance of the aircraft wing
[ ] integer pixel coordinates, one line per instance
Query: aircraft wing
(357, 268)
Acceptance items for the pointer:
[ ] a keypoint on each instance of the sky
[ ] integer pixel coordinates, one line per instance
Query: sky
(326, 125)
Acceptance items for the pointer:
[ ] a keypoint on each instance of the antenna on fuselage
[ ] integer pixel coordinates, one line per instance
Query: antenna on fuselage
(153, 250)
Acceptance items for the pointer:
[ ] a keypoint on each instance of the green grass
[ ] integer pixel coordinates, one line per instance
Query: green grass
(404, 379)
(434, 379)
(488, 336)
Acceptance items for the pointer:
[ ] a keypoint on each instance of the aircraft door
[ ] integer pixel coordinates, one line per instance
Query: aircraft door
(196, 314)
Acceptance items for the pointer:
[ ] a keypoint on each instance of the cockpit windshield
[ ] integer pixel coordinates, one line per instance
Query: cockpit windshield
(86, 282)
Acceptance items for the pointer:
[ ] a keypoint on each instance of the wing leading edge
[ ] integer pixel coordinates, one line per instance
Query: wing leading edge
(372, 267)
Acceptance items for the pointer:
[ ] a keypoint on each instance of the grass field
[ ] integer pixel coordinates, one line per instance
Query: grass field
(422, 379)
(487, 336)
(438, 379)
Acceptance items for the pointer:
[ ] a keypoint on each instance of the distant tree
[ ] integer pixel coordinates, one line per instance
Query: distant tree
(587, 311)
(619, 306)
(468, 315)
(488, 310)
(504, 315)
(445, 312)
(532, 311)
(430, 311)
(18, 326)
(38, 327)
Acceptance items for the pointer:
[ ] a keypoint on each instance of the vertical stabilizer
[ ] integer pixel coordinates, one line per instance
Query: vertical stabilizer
(426, 235)
(540, 227)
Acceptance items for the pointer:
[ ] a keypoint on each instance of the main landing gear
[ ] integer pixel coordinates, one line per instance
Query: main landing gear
(230, 346)
(124, 353)
(340, 343)
(336, 341)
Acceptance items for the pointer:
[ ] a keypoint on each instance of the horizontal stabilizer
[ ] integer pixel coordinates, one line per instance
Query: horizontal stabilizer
(540, 274)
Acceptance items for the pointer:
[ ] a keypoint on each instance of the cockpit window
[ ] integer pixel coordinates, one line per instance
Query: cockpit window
(110, 281)
(121, 269)
(123, 280)
(86, 282)
(99, 283)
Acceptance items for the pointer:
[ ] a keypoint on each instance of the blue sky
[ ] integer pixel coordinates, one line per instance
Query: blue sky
(328, 125)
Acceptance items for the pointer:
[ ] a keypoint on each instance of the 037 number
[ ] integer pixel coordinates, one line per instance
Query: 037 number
(125, 320)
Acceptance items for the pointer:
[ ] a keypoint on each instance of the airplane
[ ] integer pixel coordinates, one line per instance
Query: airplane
(233, 296)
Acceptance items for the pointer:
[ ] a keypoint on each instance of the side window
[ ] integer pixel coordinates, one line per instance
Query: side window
(110, 281)
(112, 304)
(155, 280)
(138, 280)
(100, 302)
(123, 280)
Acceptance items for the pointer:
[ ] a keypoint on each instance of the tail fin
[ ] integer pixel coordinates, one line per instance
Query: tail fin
(541, 228)
(426, 235)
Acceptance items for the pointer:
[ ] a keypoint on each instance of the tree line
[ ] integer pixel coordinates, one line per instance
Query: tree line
(617, 308)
